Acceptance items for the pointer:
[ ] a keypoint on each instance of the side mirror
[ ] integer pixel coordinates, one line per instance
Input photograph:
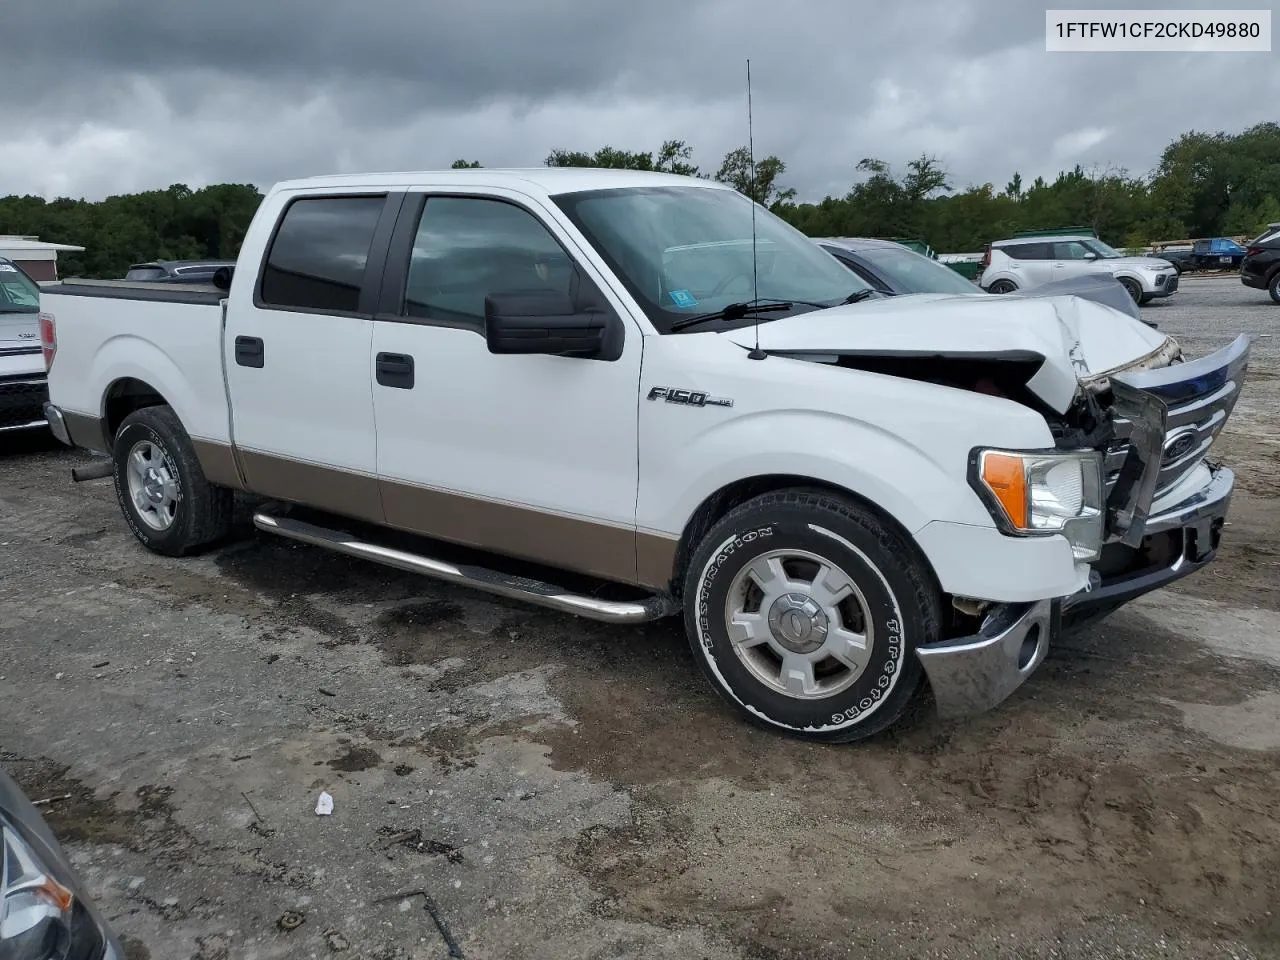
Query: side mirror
(541, 321)
(1091, 255)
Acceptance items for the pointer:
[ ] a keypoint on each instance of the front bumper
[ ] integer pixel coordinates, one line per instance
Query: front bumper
(1164, 289)
(1172, 415)
(973, 674)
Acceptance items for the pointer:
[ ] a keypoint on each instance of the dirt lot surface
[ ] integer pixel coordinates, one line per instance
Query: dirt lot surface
(561, 789)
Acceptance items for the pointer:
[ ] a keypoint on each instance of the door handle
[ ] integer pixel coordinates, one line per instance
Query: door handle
(394, 370)
(250, 351)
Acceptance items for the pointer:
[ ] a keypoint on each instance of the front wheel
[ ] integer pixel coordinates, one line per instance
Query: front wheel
(1133, 288)
(804, 610)
(166, 500)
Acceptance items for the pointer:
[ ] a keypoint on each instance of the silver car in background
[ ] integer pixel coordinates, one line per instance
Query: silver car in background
(1029, 262)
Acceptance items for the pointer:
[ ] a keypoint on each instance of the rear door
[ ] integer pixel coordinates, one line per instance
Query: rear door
(1034, 263)
(296, 351)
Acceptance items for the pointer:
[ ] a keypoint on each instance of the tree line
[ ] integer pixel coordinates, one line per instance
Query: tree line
(1205, 185)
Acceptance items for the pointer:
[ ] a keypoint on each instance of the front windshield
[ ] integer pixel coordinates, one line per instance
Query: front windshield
(18, 292)
(1100, 248)
(685, 251)
(913, 273)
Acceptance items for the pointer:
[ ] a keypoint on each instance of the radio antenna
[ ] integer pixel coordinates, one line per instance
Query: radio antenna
(757, 353)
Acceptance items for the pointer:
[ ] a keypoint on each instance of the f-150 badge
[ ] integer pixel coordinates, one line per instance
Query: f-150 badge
(690, 398)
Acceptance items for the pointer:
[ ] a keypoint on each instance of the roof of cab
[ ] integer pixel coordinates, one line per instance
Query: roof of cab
(542, 180)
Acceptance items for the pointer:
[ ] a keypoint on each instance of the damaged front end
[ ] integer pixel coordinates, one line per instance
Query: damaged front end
(1165, 505)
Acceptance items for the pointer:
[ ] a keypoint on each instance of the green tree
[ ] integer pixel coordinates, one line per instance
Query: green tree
(736, 170)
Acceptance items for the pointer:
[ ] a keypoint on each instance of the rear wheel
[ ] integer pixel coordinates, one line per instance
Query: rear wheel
(1274, 287)
(166, 500)
(804, 610)
(1133, 288)
(1002, 286)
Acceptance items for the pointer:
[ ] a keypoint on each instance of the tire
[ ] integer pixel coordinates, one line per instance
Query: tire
(184, 511)
(891, 599)
(1133, 287)
(1002, 286)
(1273, 287)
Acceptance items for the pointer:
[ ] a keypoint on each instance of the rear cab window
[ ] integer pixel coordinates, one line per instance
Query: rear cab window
(316, 261)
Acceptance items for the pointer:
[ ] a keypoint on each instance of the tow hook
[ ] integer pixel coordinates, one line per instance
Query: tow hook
(92, 471)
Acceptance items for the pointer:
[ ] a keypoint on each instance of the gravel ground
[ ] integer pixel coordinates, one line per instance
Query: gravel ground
(563, 789)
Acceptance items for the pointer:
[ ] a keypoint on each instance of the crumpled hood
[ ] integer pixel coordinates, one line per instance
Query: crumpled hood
(1077, 339)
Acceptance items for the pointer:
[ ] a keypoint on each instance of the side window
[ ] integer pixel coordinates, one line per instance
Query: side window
(468, 247)
(318, 255)
(1070, 250)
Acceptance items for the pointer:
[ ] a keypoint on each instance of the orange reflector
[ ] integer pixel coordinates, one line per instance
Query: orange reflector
(55, 893)
(1007, 479)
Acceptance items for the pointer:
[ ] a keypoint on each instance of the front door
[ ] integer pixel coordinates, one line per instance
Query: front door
(296, 352)
(528, 455)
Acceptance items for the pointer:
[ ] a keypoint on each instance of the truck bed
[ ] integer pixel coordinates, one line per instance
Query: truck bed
(201, 293)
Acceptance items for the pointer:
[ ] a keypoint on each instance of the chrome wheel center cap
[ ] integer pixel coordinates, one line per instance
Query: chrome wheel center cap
(798, 623)
(153, 486)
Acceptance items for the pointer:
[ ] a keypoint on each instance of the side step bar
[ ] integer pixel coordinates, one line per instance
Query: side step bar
(516, 588)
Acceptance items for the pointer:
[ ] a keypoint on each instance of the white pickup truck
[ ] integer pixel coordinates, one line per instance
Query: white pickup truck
(644, 384)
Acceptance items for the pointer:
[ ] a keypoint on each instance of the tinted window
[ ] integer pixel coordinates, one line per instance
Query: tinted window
(318, 256)
(145, 273)
(1029, 251)
(913, 273)
(467, 248)
(18, 292)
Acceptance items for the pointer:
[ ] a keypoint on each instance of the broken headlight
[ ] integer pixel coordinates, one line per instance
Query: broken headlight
(40, 917)
(1033, 493)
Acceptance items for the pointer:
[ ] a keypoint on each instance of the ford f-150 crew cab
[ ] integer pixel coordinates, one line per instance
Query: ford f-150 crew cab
(667, 400)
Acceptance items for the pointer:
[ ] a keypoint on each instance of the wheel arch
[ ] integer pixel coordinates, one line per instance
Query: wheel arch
(732, 495)
(122, 397)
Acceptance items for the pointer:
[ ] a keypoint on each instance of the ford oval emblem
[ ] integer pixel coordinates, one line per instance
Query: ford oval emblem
(1179, 445)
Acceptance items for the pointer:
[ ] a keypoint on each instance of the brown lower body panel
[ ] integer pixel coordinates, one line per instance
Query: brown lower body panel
(569, 543)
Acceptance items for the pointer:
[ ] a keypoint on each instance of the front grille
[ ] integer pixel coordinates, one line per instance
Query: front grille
(1173, 283)
(1198, 415)
(22, 402)
(1160, 281)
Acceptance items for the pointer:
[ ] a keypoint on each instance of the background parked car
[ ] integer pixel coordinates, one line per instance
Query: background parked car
(1020, 264)
(177, 271)
(43, 912)
(24, 384)
(1260, 267)
(893, 270)
(1181, 256)
(1218, 253)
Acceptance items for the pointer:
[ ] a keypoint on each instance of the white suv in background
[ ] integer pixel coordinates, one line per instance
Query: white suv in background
(1018, 264)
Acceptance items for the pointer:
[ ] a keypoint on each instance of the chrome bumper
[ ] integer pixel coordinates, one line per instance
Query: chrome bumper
(57, 423)
(973, 674)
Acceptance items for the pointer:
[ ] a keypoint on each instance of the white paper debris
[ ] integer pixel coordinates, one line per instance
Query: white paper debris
(324, 805)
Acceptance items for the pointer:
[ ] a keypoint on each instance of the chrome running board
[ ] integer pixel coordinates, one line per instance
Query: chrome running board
(515, 588)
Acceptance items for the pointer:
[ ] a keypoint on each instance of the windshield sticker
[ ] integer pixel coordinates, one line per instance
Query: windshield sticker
(683, 298)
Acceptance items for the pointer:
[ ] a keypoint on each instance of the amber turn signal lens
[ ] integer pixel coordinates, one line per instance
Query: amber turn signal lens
(1006, 477)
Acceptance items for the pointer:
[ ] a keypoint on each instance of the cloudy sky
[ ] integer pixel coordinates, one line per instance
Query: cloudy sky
(110, 96)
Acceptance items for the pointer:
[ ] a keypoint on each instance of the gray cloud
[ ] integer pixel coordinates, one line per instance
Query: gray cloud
(111, 97)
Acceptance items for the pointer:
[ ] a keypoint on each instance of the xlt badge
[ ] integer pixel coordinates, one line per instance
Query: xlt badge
(690, 398)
